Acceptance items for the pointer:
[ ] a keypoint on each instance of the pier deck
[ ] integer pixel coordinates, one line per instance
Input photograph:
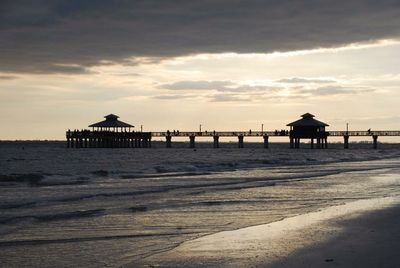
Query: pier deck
(112, 139)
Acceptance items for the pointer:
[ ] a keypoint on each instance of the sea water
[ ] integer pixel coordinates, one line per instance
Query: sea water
(110, 207)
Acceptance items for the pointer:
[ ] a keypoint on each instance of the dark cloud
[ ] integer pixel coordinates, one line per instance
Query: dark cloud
(334, 90)
(174, 97)
(251, 89)
(298, 80)
(198, 85)
(222, 86)
(38, 35)
(61, 68)
(229, 98)
(7, 77)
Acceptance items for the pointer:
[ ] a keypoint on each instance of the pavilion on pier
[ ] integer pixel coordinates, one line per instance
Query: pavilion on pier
(109, 133)
(111, 124)
(308, 128)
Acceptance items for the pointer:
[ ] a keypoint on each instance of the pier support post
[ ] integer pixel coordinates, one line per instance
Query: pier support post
(140, 142)
(266, 141)
(312, 143)
(192, 141)
(150, 142)
(240, 138)
(297, 143)
(216, 141)
(104, 142)
(375, 137)
(318, 143)
(346, 141)
(168, 141)
(68, 142)
(291, 143)
(326, 143)
(145, 144)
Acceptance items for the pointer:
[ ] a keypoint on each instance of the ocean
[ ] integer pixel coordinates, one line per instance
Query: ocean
(116, 207)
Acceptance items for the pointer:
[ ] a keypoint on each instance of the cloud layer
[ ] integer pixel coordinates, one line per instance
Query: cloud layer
(64, 36)
(230, 91)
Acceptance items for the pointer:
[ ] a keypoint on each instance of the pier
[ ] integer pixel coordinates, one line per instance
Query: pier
(112, 133)
(267, 135)
(107, 139)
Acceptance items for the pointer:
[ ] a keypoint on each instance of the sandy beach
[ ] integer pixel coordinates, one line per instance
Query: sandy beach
(358, 234)
(368, 240)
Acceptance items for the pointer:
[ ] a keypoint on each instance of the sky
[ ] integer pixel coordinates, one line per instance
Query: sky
(176, 64)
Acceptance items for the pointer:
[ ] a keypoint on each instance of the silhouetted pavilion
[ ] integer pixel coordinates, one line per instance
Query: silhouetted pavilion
(111, 123)
(308, 128)
(110, 133)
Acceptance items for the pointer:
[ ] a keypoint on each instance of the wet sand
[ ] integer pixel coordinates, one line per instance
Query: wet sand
(364, 233)
(371, 240)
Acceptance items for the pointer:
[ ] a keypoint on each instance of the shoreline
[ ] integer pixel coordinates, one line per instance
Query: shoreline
(335, 235)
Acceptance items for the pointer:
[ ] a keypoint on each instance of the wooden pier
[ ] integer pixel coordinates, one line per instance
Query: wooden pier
(109, 133)
(107, 139)
(267, 135)
(113, 133)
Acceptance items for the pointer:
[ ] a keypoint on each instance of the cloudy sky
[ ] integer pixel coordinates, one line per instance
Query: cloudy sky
(225, 64)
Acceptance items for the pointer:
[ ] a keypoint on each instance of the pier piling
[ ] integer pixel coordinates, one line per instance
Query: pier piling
(240, 141)
(192, 141)
(375, 138)
(216, 141)
(266, 141)
(168, 141)
(346, 141)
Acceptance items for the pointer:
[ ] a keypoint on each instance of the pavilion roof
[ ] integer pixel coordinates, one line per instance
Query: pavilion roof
(307, 121)
(111, 121)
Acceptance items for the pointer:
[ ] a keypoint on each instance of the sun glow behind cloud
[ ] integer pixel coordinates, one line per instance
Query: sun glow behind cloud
(277, 54)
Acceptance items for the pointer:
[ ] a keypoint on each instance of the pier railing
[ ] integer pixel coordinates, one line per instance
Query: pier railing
(268, 133)
(219, 133)
(365, 133)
